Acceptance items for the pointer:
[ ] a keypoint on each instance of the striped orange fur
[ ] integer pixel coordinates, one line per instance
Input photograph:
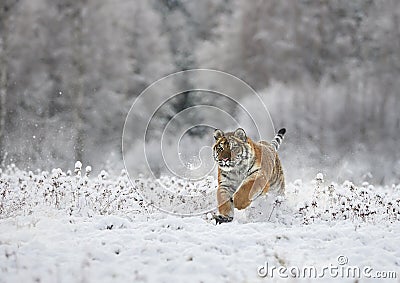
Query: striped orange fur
(246, 170)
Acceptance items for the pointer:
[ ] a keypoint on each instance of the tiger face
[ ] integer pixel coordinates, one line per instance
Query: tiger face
(230, 149)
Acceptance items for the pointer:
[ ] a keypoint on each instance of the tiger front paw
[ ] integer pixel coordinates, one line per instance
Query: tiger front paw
(222, 219)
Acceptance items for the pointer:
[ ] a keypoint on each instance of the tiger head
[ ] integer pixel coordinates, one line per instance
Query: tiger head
(230, 149)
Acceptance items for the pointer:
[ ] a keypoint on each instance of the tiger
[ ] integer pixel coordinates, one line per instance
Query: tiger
(246, 170)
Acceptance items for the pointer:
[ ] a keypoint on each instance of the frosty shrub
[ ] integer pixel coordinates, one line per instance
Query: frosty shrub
(365, 203)
(78, 193)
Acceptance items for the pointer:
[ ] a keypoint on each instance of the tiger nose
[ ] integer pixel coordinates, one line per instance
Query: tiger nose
(225, 159)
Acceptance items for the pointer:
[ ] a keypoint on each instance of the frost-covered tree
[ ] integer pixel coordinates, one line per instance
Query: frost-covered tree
(7, 8)
(73, 83)
(328, 71)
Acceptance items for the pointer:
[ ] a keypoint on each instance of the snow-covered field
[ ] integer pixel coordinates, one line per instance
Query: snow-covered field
(73, 227)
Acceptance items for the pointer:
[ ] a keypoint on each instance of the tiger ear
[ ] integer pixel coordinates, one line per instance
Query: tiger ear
(240, 134)
(218, 134)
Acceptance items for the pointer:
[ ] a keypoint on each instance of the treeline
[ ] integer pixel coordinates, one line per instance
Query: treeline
(69, 71)
(330, 72)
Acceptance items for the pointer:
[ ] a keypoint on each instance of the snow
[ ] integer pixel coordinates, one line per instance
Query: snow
(59, 227)
(319, 176)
